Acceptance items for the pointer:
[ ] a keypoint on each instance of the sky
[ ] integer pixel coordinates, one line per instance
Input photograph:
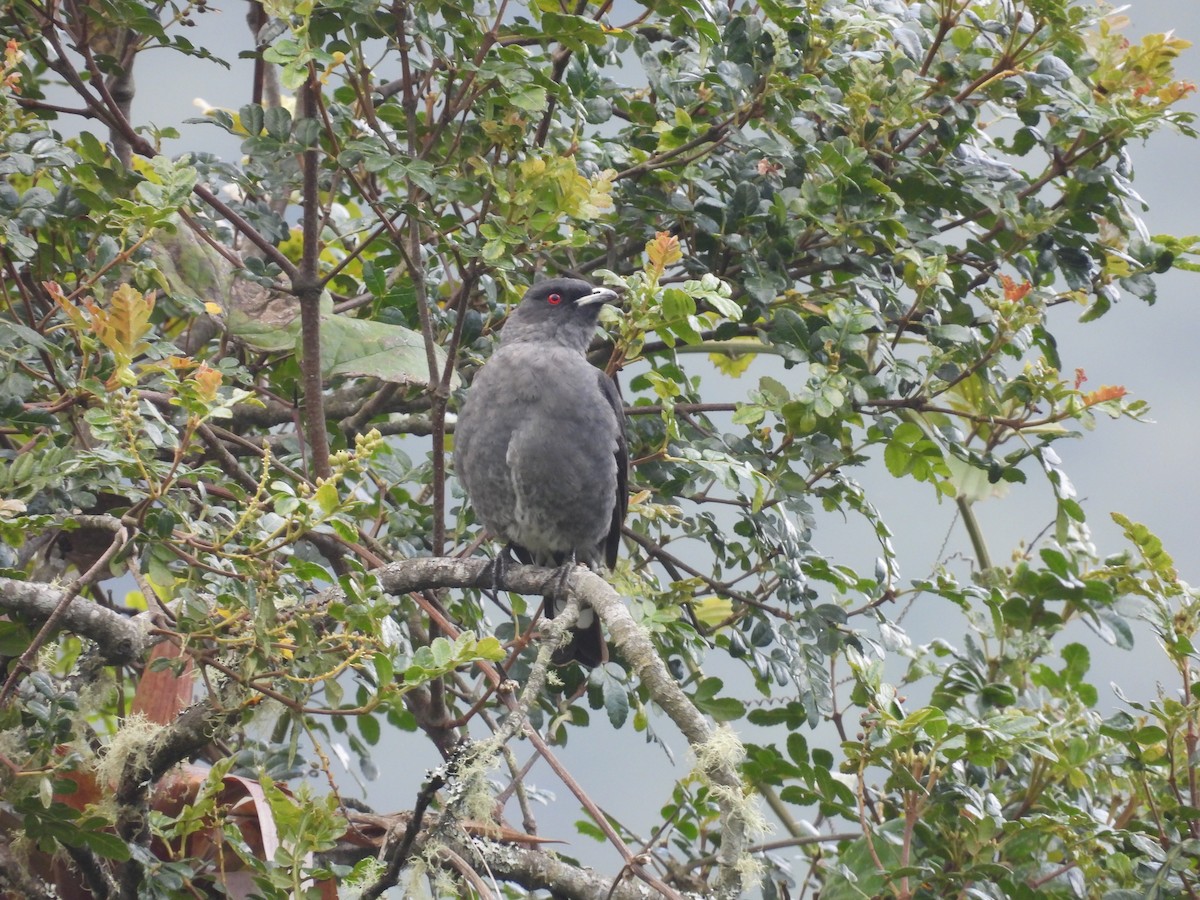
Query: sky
(1146, 471)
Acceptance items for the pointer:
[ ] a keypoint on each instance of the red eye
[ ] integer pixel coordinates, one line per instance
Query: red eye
(554, 299)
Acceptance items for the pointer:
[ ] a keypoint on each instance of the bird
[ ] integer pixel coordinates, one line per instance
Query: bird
(540, 446)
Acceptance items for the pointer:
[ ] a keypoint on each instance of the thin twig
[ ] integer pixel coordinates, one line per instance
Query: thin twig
(24, 664)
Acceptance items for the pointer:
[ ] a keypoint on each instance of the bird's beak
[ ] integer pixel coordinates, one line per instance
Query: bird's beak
(599, 295)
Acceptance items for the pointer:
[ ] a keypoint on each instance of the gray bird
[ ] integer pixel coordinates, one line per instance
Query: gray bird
(540, 444)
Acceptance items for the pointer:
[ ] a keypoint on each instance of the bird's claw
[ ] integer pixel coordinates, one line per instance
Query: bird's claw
(499, 568)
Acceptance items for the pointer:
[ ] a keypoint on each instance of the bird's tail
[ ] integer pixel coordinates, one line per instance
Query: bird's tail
(585, 644)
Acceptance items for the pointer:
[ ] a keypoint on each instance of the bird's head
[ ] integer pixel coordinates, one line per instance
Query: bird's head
(560, 310)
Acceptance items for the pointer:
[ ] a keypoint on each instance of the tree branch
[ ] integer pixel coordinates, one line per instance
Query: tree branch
(505, 854)
(717, 750)
(120, 639)
(193, 730)
(63, 607)
(307, 287)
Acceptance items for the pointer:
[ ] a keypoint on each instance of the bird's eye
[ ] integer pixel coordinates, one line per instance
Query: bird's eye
(554, 299)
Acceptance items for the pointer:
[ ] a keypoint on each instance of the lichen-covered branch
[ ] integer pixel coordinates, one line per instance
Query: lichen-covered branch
(506, 855)
(120, 639)
(718, 750)
(539, 870)
(142, 763)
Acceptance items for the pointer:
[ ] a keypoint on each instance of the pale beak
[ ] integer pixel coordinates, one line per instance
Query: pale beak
(599, 295)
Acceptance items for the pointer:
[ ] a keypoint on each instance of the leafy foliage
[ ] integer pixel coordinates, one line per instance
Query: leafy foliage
(232, 383)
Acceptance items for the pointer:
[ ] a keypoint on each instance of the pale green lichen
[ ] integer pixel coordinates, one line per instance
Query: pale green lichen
(129, 746)
(99, 694)
(366, 873)
(424, 869)
(12, 746)
(750, 869)
(722, 749)
(740, 814)
(414, 884)
(477, 800)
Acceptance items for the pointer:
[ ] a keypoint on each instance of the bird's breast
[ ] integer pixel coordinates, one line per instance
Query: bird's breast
(541, 463)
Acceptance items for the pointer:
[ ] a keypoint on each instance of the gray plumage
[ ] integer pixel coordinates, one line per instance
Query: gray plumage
(540, 442)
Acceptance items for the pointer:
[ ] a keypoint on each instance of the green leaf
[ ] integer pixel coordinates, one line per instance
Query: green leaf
(590, 829)
(490, 648)
(271, 330)
(368, 727)
(252, 117)
(327, 497)
(616, 701)
(898, 458)
(1150, 734)
(105, 845)
(384, 670)
(376, 349)
(277, 121)
(676, 304)
(723, 709)
(531, 98)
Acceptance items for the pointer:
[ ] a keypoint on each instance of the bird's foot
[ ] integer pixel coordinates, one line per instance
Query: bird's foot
(498, 571)
(499, 566)
(556, 599)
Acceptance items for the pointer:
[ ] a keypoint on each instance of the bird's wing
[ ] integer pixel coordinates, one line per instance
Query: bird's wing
(612, 393)
(481, 441)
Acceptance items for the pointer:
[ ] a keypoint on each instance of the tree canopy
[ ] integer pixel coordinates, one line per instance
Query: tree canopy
(845, 234)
